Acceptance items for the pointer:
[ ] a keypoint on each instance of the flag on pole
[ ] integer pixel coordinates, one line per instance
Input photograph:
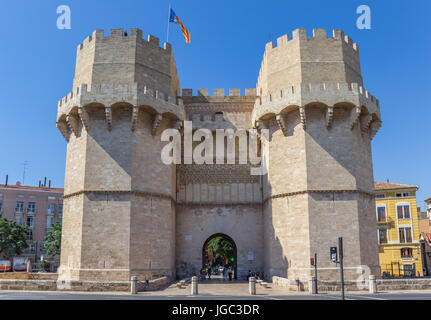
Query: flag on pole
(174, 18)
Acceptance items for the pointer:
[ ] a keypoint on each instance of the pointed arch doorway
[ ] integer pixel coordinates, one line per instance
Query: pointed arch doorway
(220, 250)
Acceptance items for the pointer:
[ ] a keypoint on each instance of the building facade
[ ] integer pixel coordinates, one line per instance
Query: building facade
(428, 202)
(36, 207)
(130, 214)
(398, 230)
(425, 238)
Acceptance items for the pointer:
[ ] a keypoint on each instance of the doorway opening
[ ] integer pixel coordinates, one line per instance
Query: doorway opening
(219, 253)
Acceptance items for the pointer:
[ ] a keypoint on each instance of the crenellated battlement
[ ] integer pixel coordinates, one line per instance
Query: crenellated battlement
(301, 94)
(116, 35)
(219, 92)
(213, 121)
(309, 59)
(329, 94)
(318, 34)
(123, 58)
(109, 94)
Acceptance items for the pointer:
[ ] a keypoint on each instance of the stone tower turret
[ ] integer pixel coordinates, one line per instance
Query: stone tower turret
(320, 181)
(118, 195)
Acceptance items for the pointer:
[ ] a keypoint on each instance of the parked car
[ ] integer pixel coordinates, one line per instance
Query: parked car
(20, 264)
(5, 265)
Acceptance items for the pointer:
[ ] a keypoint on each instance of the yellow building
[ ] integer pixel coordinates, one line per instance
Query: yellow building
(398, 229)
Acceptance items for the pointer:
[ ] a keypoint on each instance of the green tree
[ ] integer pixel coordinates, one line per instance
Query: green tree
(13, 237)
(52, 243)
(222, 248)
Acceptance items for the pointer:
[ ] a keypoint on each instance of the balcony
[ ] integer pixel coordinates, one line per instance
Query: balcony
(382, 219)
(409, 240)
(406, 257)
(19, 210)
(383, 241)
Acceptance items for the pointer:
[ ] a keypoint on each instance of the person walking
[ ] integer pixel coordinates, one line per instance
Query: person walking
(209, 272)
(229, 271)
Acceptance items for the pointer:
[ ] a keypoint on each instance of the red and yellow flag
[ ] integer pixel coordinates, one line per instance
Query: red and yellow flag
(174, 18)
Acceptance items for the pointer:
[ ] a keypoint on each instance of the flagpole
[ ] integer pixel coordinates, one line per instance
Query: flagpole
(169, 15)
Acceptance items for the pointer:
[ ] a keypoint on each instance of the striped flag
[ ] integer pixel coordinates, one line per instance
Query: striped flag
(174, 18)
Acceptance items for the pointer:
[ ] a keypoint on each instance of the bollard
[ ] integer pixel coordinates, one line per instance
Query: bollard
(28, 266)
(252, 285)
(372, 284)
(134, 285)
(194, 286)
(312, 285)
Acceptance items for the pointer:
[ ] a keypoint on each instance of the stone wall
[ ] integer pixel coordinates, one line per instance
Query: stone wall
(48, 282)
(195, 224)
(51, 285)
(154, 285)
(28, 276)
(349, 285)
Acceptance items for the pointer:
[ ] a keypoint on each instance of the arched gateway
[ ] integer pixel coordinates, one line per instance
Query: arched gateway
(219, 250)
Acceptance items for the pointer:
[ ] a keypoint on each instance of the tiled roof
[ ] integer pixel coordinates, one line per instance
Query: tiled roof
(2, 186)
(389, 186)
(428, 200)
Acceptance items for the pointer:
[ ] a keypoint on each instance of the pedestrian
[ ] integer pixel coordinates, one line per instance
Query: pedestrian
(209, 272)
(229, 271)
(250, 274)
(225, 273)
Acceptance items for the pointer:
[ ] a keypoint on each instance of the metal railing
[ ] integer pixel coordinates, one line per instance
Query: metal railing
(382, 219)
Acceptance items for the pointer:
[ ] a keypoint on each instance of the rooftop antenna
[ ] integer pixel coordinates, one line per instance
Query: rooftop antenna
(25, 164)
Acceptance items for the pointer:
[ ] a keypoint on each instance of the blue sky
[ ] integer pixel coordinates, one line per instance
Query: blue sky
(228, 40)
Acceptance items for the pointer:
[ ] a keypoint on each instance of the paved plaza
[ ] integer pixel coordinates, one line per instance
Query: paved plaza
(215, 290)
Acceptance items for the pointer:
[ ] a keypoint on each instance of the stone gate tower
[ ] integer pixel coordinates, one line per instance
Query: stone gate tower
(118, 193)
(320, 183)
(127, 214)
